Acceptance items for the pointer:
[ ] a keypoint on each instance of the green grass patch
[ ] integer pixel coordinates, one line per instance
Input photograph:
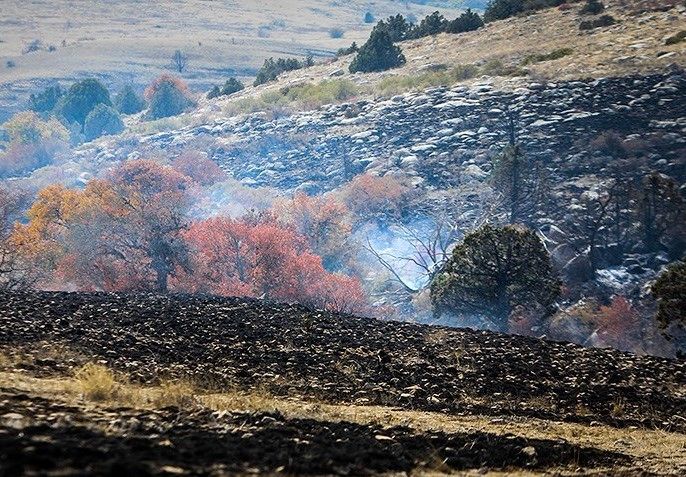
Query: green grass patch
(553, 55)
(298, 97)
(162, 125)
(402, 83)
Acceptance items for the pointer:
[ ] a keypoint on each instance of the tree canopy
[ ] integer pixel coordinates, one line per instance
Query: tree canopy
(378, 53)
(128, 102)
(103, 120)
(494, 273)
(167, 96)
(81, 98)
(670, 291)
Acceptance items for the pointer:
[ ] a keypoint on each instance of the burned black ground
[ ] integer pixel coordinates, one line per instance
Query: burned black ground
(290, 350)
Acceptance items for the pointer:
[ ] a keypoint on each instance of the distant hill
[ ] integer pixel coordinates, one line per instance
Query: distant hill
(125, 41)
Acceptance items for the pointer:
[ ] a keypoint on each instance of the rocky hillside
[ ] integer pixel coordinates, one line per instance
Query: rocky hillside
(440, 137)
(445, 138)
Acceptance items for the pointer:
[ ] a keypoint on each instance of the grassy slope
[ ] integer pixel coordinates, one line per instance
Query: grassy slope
(635, 45)
(127, 40)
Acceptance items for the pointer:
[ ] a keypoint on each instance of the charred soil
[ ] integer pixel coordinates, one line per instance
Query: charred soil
(291, 352)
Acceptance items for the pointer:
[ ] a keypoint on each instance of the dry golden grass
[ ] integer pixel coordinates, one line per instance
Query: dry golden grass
(652, 450)
(41, 351)
(180, 394)
(96, 382)
(5, 360)
(547, 46)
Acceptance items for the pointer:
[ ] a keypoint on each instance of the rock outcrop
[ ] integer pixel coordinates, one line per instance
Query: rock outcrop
(442, 136)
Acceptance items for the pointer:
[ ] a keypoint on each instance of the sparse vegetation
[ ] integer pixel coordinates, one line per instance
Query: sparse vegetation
(336, 33)
(179, 394)
(179, 61)
(553, 55)
(96, 382)
(498, 68)
(32, 46)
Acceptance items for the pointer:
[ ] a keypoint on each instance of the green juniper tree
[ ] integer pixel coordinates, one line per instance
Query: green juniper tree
(378, 53)
(168, 100)
(670, 291)
(101, 121)
(397, 26)
(46, 100)
(431, 25)
(128, 102)
(468, 21)
(661, 214)
(494, 272)
(81, 98)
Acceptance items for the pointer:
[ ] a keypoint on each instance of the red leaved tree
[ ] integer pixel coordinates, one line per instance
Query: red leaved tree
(325, 224)
(619, 324)
(261, 258)
(199, 168)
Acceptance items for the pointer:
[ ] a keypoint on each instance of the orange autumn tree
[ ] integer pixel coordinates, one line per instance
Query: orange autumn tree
(323, 222)
(120, 233)
(382, 198)
(199, 168)
(262, 258)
